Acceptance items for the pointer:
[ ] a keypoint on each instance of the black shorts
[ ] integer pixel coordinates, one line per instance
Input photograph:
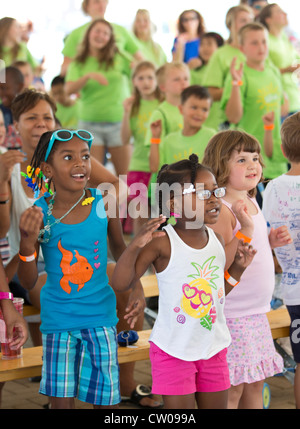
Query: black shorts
(294, 312)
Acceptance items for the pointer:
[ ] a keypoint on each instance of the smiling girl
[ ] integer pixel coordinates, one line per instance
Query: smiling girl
(235, 159)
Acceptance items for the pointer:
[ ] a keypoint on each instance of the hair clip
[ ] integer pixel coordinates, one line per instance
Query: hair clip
(189, 190)
(172, 219)
(87, 201)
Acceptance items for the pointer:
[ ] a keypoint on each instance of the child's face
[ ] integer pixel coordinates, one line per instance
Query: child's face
(58, 93)
(70, 166)
(35, 122)
(142, 24)
(9, 90)
(176, 81)
(195, 111)
(196, 210)
(207, 47)
(97, 8)
(145, 82)
(255, 46)
(245, 170)
(279, 17)
(99, 36)
(2, 129)
(26, 71)
(242, 18)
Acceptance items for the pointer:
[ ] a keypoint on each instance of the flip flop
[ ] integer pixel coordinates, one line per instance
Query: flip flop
(141, 391)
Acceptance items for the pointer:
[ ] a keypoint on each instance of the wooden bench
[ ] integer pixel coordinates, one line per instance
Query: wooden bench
(30, 364)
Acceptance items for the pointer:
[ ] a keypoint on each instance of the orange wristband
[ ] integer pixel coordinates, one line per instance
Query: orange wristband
(29, 258)
(154, 141)
(237, 83)
(230, 279)
(243, 237)
(269, 127)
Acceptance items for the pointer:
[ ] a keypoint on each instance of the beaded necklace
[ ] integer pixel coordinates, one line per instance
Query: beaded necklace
(48, 226)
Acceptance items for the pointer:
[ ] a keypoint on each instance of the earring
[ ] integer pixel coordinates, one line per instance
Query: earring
(172, 219)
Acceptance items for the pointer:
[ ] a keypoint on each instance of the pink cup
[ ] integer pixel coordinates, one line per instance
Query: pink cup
(7, 352)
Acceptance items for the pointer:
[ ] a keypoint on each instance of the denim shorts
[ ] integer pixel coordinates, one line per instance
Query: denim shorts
(106, 134)
(82, 364)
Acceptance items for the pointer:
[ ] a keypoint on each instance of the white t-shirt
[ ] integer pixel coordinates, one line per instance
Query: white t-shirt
(281, 206)
(191, 324)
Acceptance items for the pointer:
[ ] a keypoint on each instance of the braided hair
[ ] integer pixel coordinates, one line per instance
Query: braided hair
(184, 171)
(39, 157)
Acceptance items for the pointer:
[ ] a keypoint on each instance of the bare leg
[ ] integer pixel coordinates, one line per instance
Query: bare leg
(62, 403)
(120, 157)
(212, 400)
(234, 396)
(297, 387)
(187, 402)
(252, 396)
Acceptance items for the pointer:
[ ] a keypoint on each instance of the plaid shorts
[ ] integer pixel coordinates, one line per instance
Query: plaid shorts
(82, 364)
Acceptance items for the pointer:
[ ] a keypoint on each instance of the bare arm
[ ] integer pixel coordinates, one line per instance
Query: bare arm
(234, 108)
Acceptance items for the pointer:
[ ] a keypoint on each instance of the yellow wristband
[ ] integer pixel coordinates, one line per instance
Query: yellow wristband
(154, 141)
(29, 258)
(243, 237)
(237, 83)
(230, 280)
(269, 127)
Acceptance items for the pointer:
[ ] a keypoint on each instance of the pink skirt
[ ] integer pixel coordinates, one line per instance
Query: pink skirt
(251, 355)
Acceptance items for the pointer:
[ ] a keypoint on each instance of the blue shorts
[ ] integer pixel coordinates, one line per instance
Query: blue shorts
(82, 364)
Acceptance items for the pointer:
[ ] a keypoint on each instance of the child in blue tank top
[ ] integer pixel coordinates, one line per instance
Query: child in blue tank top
(78, 306)
(190, 337)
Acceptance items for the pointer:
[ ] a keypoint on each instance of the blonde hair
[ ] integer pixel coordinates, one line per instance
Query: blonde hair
(143, 65)
(231, 17)
(252, 26)
(84, 6)
(290, 137)
(162, 72)
(220, 149)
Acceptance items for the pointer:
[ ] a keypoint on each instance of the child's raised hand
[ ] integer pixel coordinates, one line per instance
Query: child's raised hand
(237, 74)
(127, 104)
(30, 224)
(98, 77)
(148, 232)
(244, 254)
(268, 118)
(156, 128)
(239, 208)
(279, 237)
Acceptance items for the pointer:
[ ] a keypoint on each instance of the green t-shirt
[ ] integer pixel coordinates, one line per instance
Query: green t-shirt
(218, 68)
(171, 120)
(215, 117)
(126, 41)
(283, 54)
(138, 125)
(22, 55)
(101, 103)
(152, 51)
(176, 146)
(68, 115)
(261, 93)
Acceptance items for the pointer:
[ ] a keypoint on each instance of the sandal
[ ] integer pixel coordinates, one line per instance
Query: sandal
(141, 391)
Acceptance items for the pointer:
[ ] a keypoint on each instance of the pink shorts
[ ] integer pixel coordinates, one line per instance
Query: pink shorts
(172, 376)
(142, 177)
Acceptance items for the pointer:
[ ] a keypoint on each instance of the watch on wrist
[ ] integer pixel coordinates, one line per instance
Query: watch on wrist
(6, 295)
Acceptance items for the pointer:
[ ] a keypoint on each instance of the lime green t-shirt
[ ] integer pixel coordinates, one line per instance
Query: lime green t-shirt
(126, 41)
(170, 117)
(68, 115)
(152, 51)
(261, 93)
(215, 116)
(218, 68)
(101, 103)
(138, 125)
(283, 54)
(176, 146)
(23, 55)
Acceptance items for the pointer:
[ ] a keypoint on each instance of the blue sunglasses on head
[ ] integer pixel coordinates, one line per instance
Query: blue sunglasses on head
(66, 135)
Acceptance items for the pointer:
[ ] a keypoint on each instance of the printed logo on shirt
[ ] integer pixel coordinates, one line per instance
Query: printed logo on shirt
(78, 273)
(197, 299)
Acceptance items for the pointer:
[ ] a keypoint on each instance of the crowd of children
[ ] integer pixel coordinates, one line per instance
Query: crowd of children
(219, 127)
